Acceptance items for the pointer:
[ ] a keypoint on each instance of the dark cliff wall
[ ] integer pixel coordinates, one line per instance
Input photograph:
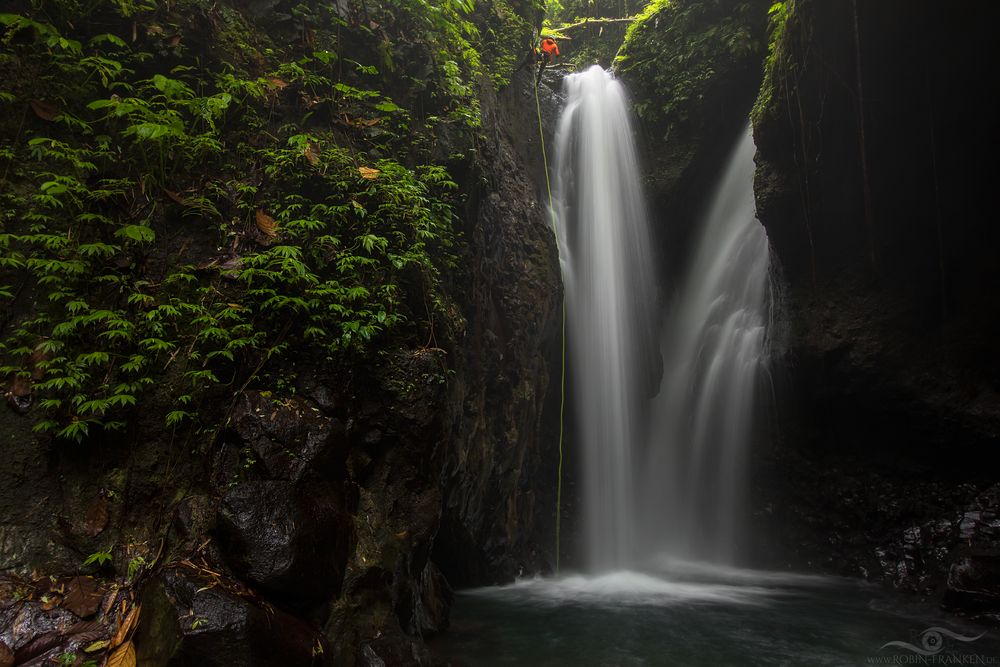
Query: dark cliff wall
(872, 182)
(492, 471)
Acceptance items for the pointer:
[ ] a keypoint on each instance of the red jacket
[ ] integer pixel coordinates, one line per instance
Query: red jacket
(550, 47)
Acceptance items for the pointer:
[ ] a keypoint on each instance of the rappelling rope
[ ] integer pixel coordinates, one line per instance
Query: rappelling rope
(562, 380)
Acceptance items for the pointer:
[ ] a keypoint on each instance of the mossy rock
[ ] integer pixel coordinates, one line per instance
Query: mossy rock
(693, 69)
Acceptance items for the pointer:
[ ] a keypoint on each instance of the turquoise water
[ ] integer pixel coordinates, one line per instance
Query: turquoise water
(685, 615)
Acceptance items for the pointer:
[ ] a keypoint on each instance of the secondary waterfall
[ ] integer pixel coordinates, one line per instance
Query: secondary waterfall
(610, 298)
(714, 347)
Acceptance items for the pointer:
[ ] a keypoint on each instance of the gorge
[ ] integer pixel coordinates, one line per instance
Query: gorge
(305, 364)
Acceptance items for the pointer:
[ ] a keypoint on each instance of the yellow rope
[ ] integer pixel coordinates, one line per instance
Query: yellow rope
(562, 381)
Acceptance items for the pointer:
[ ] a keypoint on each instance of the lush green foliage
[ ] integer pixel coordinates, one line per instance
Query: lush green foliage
(676, 47)
(177, 225)
(778, 17)
(570, 11)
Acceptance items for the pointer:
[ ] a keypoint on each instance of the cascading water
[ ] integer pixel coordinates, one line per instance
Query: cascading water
(681, 501)
(714, 347)
(610, 296)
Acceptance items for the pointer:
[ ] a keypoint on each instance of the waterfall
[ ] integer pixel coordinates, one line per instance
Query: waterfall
(714, 347)
(607, 269)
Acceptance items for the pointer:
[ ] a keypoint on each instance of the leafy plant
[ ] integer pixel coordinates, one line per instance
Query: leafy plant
(321, 250)
(98, 558)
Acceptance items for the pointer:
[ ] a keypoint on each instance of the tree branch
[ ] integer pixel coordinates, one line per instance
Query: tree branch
(590, 22)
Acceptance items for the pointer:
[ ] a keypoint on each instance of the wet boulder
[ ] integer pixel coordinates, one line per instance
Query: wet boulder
(51, 616)
(974, 584)
(285, 438)
(191, 618)
(289, 541)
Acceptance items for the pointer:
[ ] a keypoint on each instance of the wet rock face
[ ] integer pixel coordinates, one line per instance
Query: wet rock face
(189, 619)
(870, 184)
(288, 541)
(493, 467)
(46, 620)
(282, 522)
(875, 218)
(287, 438)
(903, 528)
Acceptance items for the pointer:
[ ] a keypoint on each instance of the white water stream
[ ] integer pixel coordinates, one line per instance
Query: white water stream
(715, 354)
(608, 275)
(667, 476)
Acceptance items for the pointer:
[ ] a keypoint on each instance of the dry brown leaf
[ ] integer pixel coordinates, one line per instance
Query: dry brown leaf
(96, 518)
(172, 42)
(176, 197)
(125, 629)
(124, 656)
(83, 599)
(38, 646)
(108, 604)
(311, 152)
(83, 628)
(44, 110)
(277, 83)
(266, 224)
(6, 655)
(309, 100)
(369, 173)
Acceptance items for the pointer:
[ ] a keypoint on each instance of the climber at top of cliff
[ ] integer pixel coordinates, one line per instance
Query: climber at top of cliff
(549, 50)
(548, 54)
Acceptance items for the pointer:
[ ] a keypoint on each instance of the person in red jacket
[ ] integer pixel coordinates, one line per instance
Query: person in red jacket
(547, 56)
(549, 50)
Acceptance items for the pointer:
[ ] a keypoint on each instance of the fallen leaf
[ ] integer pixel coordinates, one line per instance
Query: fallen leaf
(83, 628)
(123, 657)
(6, 655)
(83, 599)
(266, 224)
(369, 173)
(44, 110)
(277, 83)
(173, 41)
(96, 518)
(312, 153)
(97, 646)
(108, 604)
(125, 629)
(37, 647)
(176, 197)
